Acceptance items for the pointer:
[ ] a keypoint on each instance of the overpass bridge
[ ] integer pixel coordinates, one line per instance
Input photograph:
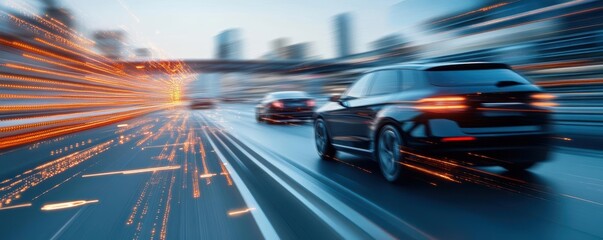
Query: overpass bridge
(283, 67)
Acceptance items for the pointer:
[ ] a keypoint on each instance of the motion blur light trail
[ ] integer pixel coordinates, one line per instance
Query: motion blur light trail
(126, 172)
(48, 69)
(176, 185)
(64, 205)
(100, 146)
(16, 206)
(239, 212)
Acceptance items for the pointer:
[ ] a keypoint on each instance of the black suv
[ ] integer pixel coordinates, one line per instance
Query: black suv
(478, 113)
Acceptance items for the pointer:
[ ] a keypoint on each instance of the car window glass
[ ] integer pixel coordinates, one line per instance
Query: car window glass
(409, 79)
(290, 94)
(480, 77)
(385, 82)
(359, 88)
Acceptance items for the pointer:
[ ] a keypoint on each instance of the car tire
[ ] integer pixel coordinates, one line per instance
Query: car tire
(325, 149)
(258, 117)
(389, 156)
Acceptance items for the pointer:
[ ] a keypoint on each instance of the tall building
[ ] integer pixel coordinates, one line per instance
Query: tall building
(388, 42)
(278, 48)
(299, 51)
(111, 43)
(143, 53)
(343, 34)
(56, 14)
(229, 45)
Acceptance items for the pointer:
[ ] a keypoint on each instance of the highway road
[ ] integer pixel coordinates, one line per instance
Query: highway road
(217, 174)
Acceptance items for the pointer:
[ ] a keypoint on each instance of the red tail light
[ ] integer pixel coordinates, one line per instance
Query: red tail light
(543, 100)
(278, 104)
(442, 104)
(457, 139)
(311, 103)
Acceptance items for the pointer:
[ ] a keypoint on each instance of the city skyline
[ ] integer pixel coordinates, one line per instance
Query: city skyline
(307, 22)
(188, 28)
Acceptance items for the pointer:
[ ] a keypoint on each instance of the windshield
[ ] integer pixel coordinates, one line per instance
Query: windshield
(283, 95)
(474, 77)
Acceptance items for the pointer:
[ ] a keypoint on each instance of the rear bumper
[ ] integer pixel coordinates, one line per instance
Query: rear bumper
(484, 145)
(293, 115)
(488, 150)
(202, 106)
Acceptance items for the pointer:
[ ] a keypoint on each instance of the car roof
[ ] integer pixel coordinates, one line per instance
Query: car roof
(445, 66)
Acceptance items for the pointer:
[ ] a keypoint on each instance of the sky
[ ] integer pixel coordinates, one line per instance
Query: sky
(186, 29)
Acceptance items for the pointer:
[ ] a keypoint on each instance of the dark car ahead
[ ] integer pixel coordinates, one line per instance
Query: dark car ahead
(285, 106)
(478, 113)
(202, 103)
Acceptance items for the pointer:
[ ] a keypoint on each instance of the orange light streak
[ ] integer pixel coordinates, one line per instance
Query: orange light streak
(15, 206)
(240, 212)
(135, 171)
(64, 205)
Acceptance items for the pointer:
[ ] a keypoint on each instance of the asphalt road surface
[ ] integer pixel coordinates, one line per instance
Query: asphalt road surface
(217, 174)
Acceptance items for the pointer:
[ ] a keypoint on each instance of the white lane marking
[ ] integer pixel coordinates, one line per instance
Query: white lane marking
(340, 227)
(344, 209)
(58, 233)
(307, 173)
(336, 224)
(259, 216)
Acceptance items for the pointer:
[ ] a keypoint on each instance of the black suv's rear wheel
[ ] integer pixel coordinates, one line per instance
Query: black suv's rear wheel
(388, 153)
(325, 149)
(519, 167)
(517, 161)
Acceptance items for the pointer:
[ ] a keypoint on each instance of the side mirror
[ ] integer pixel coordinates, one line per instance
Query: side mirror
(335, 98)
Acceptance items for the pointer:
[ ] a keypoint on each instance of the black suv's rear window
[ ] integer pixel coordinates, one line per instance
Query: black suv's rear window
(291, 94)
(475, 77)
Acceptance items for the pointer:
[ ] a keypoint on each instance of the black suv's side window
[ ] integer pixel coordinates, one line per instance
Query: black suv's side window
(385, 82)
(409, 79)
(359, 88)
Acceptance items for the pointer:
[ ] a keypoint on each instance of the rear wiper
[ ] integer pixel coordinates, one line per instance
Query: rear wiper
(507, 83)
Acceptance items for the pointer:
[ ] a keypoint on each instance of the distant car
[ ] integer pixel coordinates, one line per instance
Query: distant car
(230, 99)
(285, 106)
(477, 113)
(202, 103)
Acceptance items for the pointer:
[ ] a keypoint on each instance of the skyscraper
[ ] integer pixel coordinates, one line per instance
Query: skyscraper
(111, 43)
(278, 48)
(298, 51)
(343, 34)
(228, 45)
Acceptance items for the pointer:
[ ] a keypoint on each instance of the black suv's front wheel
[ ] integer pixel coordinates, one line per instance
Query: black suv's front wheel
(325, 149)
(389, 155)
